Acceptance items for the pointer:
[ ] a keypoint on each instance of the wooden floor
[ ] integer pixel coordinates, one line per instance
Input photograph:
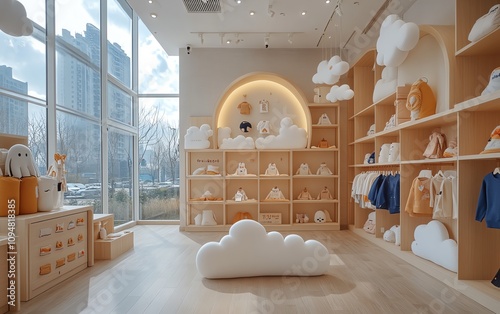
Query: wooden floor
(160, 276)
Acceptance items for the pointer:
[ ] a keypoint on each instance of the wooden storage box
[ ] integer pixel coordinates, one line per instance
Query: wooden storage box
(110, 248)
(113, 247)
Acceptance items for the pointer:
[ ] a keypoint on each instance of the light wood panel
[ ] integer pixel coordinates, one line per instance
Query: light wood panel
(361, 279)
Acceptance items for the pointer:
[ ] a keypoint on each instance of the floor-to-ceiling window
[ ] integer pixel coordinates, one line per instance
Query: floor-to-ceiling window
(158, 130)
(72, 81)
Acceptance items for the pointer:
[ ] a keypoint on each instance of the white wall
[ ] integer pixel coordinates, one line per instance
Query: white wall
(206, 73)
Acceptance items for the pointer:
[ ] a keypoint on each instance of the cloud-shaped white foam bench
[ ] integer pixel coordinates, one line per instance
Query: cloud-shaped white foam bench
(197, 137)
(396, 39)
(433, 243)
(248, 251)
(290, 136)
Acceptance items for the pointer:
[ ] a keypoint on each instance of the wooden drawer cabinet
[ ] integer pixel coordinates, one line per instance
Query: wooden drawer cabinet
(51, 247)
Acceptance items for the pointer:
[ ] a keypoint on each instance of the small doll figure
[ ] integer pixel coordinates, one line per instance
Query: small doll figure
(241, 170)
(303, 169)
(275, 194)
(324, 120)
(323, 169)
(272, 170)
(240, 195)
(304, 195)
(325, 194)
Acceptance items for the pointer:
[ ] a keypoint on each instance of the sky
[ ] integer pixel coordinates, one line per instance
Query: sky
(158, 73)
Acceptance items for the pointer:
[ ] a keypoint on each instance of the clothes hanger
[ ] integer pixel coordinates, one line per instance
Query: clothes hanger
(425, 173)
(496, 171)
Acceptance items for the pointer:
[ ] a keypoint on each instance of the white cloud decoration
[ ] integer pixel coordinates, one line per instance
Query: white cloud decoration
(433, 243)
(387, 84)
(13, 19)
(223, 133)
(342, 92)
(197, 137)
(290, 136)
(239, 142)
(329, 72)
(396, 39)
(248, 251)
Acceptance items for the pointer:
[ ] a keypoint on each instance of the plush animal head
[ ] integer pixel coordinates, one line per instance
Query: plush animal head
(319, 216)
(20, 162)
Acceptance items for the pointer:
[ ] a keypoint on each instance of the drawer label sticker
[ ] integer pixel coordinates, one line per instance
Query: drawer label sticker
(59, 245)
(80, 221)
(44, 250)
(45, 269)
(45, 232)
(60, 227)
(71, 225)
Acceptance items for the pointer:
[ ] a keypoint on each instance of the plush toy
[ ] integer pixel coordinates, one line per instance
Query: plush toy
(324, 120)
(275, 194)
(319, 217)
(241, 170)
(20, 162)
(240, 195)
(304, 195)
(303, 169)
(272, 170)
(325, 194)
(323, 169)
(389, 236)
(299, 218)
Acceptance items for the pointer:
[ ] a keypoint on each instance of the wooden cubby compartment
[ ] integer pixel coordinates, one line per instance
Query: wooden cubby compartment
(111, 247)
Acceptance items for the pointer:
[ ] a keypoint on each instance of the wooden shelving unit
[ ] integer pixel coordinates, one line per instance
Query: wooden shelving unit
(257, 185)
(463, 114)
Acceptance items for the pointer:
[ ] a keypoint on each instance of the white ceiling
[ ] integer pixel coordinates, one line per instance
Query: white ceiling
(175, 28)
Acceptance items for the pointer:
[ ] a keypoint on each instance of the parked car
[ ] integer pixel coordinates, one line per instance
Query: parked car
(91, 191)
(74, 190)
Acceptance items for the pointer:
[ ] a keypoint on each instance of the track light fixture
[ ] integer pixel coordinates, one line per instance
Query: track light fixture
(290, 38)
(202, 40)
(266, 40)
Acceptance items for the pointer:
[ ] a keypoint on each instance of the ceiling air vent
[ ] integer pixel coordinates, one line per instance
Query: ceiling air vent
(202, 6)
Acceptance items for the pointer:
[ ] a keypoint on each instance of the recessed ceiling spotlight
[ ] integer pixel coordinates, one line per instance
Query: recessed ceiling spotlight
(303, 13)
(237, 1)
(327, 1)
(154, 15)
(228, 41)
(252, 13)
(150, 1)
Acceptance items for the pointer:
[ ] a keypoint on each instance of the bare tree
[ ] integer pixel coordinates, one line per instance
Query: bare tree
(37, 138)
(172, 153)
(150, 128)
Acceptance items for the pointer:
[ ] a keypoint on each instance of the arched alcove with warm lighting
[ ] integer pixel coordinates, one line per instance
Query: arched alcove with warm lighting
(283, 98)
